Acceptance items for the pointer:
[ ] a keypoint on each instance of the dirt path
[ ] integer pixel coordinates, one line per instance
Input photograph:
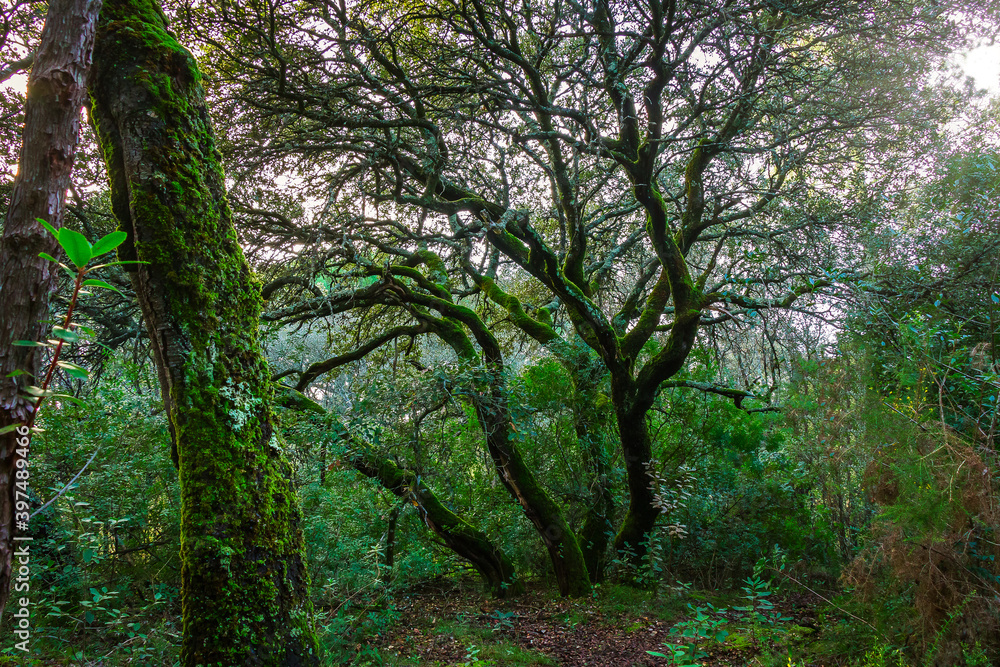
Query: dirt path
(446, 625)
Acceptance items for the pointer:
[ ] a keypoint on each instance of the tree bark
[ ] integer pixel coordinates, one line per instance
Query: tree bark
(640, 517)
(548, 518)
(56, 92)
(597, 530)
(489, 399)
(244, 582)
(459, 535)
(389, 554)
(493, 414)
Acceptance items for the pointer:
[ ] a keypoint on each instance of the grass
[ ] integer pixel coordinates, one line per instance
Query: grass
(618, 599)
(508, 653)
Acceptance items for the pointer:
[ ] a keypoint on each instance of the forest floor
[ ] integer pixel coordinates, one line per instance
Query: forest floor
(445, 624)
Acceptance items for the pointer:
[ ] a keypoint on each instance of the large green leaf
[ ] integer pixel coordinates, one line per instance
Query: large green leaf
(52, 230)
(65, 334)
(108, 243)
(76, 246)
(74, 370)
(93, 282)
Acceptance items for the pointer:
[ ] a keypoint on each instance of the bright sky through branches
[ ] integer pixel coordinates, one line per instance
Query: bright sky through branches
(983, 65)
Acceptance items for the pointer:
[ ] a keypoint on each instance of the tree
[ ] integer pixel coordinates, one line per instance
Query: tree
(56, 91)
(928, 315)
(621, 174)
(458, 534)
(244, 582)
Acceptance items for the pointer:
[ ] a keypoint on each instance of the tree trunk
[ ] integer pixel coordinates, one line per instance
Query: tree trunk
(244, 583)
(547, 517)
(56, 91)
(597, 530)
(633, 535)
(490, 402)
(458, 534)
(389, 555)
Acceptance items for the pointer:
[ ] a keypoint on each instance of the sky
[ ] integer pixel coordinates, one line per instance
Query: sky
(983, 65)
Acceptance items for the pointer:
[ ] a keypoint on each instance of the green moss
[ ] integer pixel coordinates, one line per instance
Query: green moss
(245, 589)
(538, 329)
(437, 271)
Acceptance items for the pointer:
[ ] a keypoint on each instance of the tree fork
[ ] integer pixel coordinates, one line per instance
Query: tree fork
(244, 583)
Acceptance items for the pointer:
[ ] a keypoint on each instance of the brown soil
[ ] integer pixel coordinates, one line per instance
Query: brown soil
(571, 633)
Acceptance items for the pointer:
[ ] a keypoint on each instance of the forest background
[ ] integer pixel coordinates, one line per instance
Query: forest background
(626, 302)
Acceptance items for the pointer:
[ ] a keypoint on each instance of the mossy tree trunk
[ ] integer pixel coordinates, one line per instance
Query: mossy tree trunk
(461, 537)
(564, 549)
(425, 292)
(493, 413)
(244, 582)
(640, 516)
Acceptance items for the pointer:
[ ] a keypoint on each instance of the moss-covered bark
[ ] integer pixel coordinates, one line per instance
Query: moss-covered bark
(489, 398)
(560, 540)
(245, 587)
(471, 544)
(587, 373)
(493, 414)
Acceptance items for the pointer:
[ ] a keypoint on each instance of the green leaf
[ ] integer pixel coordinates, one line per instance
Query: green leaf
(77, 247)
(71, 399)
(29, 343)
(93, 282)
(52, 230)
(45, 255)
(19, 371)
(73, 370)
(65, 334)
(8, 429)
(108, 243)
(38, 391)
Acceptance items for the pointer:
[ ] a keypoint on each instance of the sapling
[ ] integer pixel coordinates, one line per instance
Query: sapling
(80, 253)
